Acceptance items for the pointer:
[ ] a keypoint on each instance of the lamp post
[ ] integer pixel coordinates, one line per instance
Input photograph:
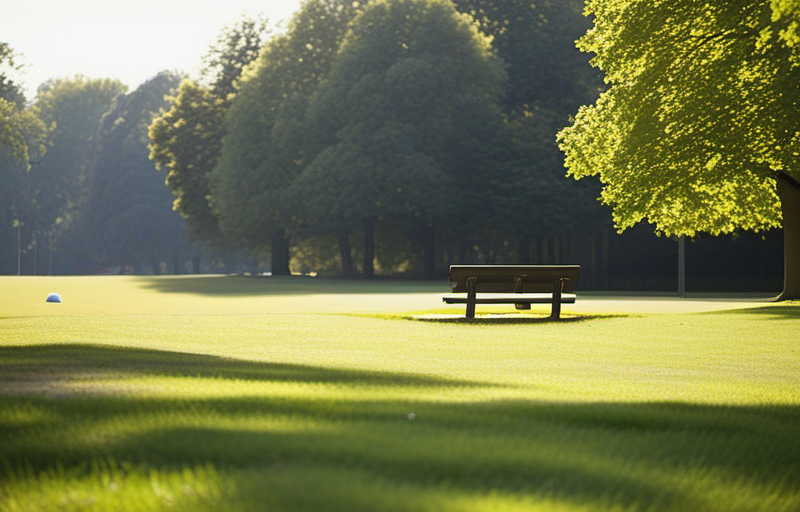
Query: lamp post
(682, 267)
(17, 224)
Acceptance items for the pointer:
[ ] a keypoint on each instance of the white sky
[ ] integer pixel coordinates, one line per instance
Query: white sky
(131, 40)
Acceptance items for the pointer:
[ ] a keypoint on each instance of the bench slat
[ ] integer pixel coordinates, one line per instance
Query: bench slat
(501, 278)
(510, 298)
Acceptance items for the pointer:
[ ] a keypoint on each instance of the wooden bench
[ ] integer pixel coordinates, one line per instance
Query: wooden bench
(521, 285)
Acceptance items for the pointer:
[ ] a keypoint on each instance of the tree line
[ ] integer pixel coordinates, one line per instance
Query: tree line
(387, 136)
(366, 138)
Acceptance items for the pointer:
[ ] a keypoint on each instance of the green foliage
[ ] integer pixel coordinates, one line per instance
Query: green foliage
(236, 46)
(390, 117)
(536, 41)
(186, 140)
(700, 114)
(21, 133)
(45, 199)
(127, 218)
(548, 79)
(265, 146)
(9, 65)
(74, 107)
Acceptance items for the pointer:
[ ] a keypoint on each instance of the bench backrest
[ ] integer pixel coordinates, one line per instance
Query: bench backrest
(503, 278)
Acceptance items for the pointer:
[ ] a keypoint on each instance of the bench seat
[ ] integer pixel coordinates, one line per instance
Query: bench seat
(510, 298)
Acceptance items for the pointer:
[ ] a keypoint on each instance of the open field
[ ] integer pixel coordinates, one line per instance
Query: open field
(225, 393)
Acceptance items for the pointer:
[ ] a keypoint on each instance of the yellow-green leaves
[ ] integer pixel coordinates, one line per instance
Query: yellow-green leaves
(700, 114)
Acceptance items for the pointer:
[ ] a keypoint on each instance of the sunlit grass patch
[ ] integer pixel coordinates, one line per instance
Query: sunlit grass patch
(107, 486)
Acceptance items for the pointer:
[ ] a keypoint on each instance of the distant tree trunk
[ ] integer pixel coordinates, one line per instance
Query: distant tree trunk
(524, 251)
(556, 250)
(593, 270)
(280, 253)
(605, 261)
(789, 193)
(428, 250)
(545, 252)
(346, 253)
(369, 249)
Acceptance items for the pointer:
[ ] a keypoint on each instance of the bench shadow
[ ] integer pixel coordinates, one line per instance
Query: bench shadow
(509, 319)
(594, 456)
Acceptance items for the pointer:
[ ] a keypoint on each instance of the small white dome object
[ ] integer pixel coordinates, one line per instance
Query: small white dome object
(54, 297)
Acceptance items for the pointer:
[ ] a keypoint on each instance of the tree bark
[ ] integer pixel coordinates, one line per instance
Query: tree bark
(369, 249)
(524, 251)
(280, 253)
(346, 253)
(428, 250)
(789, 193)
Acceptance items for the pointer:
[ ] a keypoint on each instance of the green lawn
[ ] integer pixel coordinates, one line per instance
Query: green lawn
(224, 393)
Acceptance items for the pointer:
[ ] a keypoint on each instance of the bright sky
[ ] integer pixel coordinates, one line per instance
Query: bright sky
(131, 40)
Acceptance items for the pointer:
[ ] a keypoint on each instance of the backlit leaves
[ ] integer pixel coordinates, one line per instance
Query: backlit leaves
(700, 114)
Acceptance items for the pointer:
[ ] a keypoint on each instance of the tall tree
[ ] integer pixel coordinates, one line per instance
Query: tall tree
(18, 126)
(56, 185)
(186, 139)
(548, 79)
(390, 115)
(698, 130)
(264, 145)
(22, 139)
(127, 219)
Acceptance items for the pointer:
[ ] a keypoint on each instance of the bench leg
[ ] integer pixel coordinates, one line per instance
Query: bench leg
(555, 313)
(518, 289)
(471, 296)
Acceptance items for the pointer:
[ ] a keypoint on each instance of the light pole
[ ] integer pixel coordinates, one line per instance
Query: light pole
(682, 267)
(17, 224)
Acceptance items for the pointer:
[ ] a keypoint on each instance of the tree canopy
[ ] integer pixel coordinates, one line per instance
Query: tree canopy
(264, 146)
(391, 114)
(21, 132)
(186, 139)
(127, 218)
(699, 128)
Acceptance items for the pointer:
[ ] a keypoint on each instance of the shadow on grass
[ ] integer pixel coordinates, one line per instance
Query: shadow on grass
(772, 311)
(58, 362)
(507, 319)
(283, 285)
(439, 316)
(633, 456)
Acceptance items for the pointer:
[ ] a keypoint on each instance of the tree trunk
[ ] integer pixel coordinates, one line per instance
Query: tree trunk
(346, 253)
(369, 249)
(789, 193)
(524, 251)
(428, 250)
(605, 261)
(280, 253)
